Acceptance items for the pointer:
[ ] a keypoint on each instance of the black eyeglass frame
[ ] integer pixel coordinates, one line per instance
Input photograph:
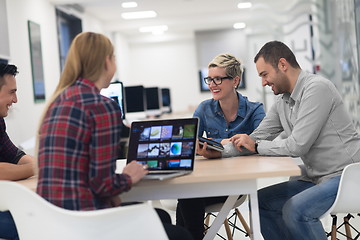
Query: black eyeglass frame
(216, 80)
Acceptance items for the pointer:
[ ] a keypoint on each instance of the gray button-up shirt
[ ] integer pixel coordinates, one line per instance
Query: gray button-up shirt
(316, 125)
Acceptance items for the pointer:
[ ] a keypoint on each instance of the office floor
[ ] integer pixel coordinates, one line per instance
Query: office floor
(169, 206)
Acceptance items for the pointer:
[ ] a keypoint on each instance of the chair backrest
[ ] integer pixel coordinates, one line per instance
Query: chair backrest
(216, 207)
(348, 199)
(37, 219)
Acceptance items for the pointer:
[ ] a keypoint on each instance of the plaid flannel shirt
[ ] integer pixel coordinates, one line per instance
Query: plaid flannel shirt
(78, 146)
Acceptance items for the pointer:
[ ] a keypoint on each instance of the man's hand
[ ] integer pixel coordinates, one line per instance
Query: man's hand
(243, 140)
(225, 141)
(208, 153)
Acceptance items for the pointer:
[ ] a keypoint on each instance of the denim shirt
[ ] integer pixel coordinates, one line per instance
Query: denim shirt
(213, 122)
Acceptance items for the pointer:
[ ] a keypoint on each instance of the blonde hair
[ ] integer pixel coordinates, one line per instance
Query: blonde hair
(232, 65)
(85, 59)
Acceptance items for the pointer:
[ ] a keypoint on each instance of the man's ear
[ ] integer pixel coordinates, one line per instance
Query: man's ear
(283, 64)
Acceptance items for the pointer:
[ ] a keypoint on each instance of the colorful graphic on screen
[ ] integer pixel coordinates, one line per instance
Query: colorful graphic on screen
(142, 151)
(189, 130)
(145, 135)
(166, 132)
(164, 149)
(178, 132)
(175, 148)
(155, 132)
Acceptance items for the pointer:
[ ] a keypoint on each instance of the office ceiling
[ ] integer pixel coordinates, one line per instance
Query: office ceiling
(187, 16)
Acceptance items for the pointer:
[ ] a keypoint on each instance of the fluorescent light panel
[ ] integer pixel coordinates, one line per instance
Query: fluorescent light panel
(239, 25)
(138, 15)
(129, 4)
(243, 5)
(154, 29)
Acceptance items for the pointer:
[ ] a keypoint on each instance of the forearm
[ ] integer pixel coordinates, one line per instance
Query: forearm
(9, 171)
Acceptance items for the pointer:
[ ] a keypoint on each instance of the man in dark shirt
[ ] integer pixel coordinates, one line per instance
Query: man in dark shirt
(14, 163)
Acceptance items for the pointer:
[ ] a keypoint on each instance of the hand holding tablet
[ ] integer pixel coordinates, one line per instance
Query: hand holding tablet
(211, 144)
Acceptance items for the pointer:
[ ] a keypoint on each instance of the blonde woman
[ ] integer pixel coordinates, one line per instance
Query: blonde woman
(228, 113)
(80, 132)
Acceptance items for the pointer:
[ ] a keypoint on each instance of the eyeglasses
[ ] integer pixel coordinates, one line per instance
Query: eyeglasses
(216, 80)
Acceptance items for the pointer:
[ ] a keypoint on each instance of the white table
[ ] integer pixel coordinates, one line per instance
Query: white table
(218, 177)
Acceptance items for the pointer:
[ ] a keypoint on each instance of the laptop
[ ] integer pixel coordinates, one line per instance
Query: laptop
(167, 147)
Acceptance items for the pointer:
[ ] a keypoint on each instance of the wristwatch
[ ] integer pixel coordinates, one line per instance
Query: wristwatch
(256, 145)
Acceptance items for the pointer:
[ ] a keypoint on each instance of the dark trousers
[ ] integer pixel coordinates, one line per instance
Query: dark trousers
(7, 226)
(173, 232)
(190, 214)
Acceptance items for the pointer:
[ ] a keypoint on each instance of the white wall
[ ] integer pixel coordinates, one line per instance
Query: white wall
(172, 63)
(22, 121)
(23, 118)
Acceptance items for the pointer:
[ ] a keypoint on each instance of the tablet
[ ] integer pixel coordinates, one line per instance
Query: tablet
(211, 144)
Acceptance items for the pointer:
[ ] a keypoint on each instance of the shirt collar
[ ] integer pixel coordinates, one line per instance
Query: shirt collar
(241, 110)
(295, 95)
(87, 83)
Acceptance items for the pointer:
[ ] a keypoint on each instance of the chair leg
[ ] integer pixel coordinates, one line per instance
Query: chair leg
(228, 230)
(243, 222)
(333, 227)
(347, 227)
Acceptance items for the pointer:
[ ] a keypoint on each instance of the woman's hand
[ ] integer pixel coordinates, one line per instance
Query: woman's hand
(135, 170)
(208, 153)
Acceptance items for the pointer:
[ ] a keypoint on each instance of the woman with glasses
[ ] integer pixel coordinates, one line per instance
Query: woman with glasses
(226, 114)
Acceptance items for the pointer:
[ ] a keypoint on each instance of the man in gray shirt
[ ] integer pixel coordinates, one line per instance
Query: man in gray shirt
(315, 126)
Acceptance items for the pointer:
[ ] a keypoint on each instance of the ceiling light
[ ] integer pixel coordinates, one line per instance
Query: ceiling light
(239, 25)
(156, 30)
(138, 15)
(129, 4)
(243, 5)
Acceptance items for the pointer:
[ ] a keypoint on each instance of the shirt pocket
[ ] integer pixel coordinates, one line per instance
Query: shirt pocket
(212, 133)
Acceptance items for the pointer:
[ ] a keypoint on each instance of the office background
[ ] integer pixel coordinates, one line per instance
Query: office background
(322, 33)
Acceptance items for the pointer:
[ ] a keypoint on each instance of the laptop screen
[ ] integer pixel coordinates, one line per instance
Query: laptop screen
(164, 144)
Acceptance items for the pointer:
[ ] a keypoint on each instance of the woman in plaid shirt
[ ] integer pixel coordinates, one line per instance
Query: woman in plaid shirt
(80, 133)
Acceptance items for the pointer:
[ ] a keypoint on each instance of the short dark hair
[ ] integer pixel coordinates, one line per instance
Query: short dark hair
(273, 51)
(7, 69)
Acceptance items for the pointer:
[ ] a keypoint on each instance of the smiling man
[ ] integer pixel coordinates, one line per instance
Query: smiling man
(317, 128)
(314, 125)
(14, 163)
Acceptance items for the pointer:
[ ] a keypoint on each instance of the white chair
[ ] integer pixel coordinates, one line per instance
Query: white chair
(231, 221)
(37, 219)
(347, 200)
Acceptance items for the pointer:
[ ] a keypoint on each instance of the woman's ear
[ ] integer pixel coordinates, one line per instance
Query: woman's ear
(236, 82)
(107, 62)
